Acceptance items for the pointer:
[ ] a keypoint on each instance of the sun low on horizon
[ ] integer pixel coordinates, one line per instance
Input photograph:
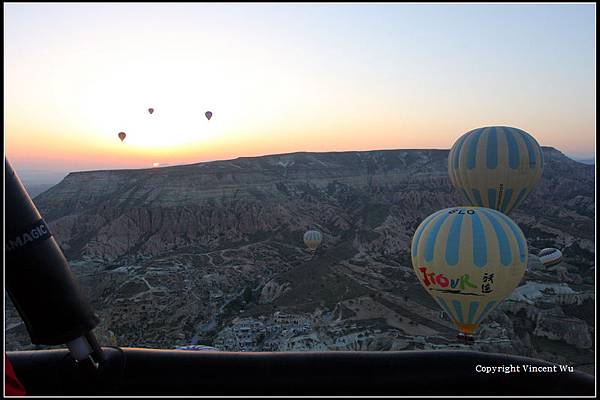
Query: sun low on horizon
(283, 78)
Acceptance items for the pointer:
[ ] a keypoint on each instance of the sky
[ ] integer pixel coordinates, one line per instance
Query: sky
(286, 77)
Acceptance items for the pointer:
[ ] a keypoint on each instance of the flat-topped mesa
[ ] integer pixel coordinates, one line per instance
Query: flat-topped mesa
(239, 177)
(385, 192)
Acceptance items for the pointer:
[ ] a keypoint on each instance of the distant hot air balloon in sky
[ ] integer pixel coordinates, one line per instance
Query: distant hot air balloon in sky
(550, 257)
(495, 166)
(312, 239)
(208, 115)
(122, 136)
(469, 259)
(151, 110)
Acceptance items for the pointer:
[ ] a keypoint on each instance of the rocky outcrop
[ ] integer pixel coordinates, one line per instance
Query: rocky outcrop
(571, 330)
(534, 263)
(272, 290)
(380, 195)
(207, 253)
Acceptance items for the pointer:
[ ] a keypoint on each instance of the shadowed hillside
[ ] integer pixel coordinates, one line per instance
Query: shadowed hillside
(212, 253)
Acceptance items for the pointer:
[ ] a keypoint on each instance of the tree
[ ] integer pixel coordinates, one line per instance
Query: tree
(247, 295)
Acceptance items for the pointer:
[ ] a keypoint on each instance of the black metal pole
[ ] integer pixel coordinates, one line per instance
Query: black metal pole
(39, 280)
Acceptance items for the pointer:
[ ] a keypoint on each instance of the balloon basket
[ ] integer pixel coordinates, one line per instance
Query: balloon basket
(466, 338)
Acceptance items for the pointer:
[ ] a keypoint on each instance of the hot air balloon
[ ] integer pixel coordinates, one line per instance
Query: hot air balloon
(122, 136)
(469, 259)
(151, 110)
(312, 239)
(495, 166)
(550, 257)
(208, 115)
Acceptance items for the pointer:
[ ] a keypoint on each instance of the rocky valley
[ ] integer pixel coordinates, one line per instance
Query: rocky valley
(212, 254)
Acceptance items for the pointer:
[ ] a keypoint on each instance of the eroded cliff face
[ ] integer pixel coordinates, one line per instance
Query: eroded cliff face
(179, 255)
(111, 214)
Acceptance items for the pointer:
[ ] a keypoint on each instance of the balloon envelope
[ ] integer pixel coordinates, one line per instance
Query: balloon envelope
(495, 166)
(550, 257)
(469, 259)
(208, 115)
(122, 136)
(312, 239)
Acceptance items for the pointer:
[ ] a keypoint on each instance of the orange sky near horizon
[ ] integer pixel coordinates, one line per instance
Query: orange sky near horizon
(354, 79)
(79, 148)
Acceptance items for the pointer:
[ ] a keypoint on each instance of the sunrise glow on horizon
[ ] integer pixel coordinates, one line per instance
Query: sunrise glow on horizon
(284, 78)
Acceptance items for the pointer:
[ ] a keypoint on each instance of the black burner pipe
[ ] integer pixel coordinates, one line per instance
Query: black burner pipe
(38, 278)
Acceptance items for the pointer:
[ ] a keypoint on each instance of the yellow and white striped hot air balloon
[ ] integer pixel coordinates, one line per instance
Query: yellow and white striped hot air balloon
(312, 239)
(469, 259)
(495, 166)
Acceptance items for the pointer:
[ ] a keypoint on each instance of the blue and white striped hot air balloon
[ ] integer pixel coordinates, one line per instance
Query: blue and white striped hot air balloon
(495, 166)
(469, 259)
(312, 239)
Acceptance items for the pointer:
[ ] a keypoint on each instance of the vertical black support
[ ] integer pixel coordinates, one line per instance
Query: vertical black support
(38, 278)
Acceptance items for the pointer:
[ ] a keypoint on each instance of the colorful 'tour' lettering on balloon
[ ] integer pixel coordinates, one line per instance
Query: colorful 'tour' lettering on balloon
(469, 259)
